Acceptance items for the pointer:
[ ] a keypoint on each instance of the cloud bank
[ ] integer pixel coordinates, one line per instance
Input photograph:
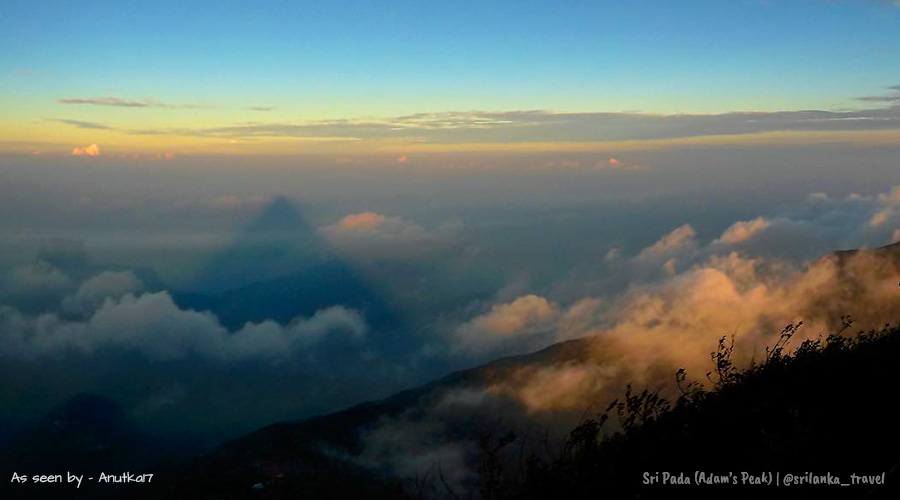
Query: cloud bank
(116, 315)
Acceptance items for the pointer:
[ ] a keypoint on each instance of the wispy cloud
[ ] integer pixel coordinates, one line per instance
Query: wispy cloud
(549, 127)
(890, 98)
(261, 108)
(118, 102)
(111, 101)
(83, 124)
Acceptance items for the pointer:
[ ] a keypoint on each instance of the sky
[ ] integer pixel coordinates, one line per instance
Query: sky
(301, 77)
(302, 206)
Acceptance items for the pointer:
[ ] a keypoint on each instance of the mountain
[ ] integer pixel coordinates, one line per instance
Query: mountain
(320, 457)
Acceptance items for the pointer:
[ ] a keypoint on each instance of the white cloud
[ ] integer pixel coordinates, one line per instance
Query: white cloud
(153, 325)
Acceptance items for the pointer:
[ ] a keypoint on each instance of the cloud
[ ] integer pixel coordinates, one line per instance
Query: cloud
(371, 235)
(879, 218)
(743, 231)
(657, 328)
(541, 126)
(261, 108)
(111, 101)
(118, 102)
(84, 125)
(92, 293)
(612, 254)
(525, 316)
(678, 238)
(154, 326)
(37, 280)
(426, 441)
(893, 98)
(365, 221)
(525, 324)
(615, 164)
(752, 280)
(92, 150)
(677, 246)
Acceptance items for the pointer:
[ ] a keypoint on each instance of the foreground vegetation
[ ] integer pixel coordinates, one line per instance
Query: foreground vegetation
(828, 406)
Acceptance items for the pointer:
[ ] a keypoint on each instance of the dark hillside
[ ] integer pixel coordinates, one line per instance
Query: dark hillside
(830, 407)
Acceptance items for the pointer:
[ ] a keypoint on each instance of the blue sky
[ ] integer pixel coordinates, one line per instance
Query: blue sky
(348, 60)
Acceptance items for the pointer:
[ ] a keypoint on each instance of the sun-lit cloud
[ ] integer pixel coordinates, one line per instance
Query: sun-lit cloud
(743, 230)
(364, 220)
(373, 236)
(92, 150)
(879, 218)
(615, 164)
(659, 327)
(678, 239)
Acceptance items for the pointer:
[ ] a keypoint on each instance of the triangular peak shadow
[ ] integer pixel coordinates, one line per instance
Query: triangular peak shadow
(279, 268)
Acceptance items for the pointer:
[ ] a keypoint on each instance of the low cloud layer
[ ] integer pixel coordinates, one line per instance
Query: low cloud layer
(721, 288)
(111, 311)
(655, 329)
